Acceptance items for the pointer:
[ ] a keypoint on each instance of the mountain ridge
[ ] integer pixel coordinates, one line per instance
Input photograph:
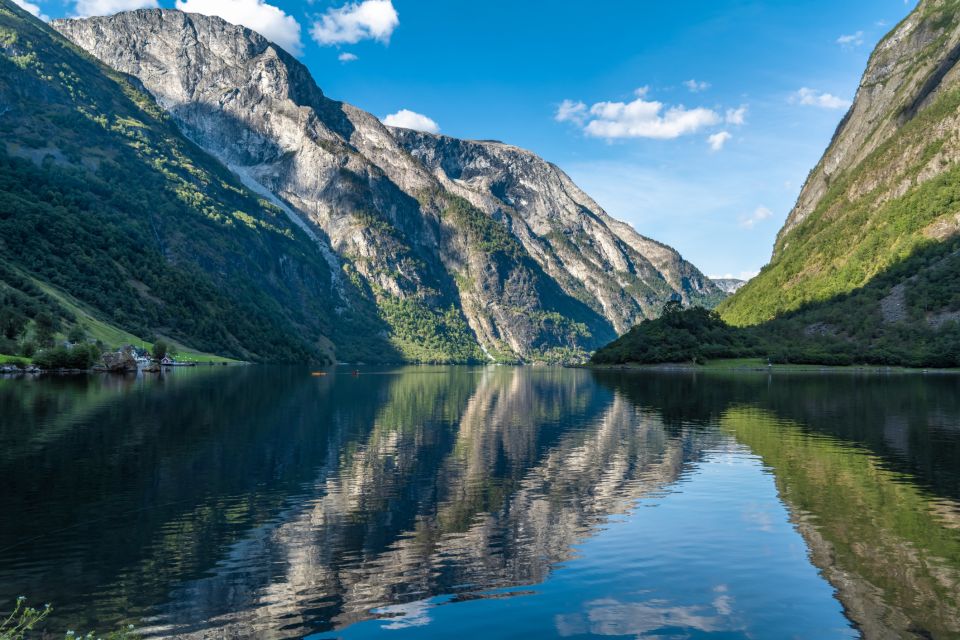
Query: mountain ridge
(105, 200)
(885, 188)
(439, 259)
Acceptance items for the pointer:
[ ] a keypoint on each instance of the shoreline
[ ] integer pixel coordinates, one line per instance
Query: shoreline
(718, 367)
(30, 370)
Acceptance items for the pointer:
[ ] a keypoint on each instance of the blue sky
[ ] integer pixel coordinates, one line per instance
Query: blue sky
(695, 121)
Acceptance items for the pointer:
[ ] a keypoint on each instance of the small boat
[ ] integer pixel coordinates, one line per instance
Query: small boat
(318, 374)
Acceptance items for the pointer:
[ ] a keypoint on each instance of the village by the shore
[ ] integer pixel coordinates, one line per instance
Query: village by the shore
(128, 359)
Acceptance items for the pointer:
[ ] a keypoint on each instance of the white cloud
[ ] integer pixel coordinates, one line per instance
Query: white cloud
(267, 20)
(717, 140)
(570, 111)
(647, 118)
(34, 9)
(850, 41)
(86, 8)
(737, 116)
(759, 215)
(347, 57)
(641, 119)
(814, 98)
(367, 20)
(696, 86)
(407, 119)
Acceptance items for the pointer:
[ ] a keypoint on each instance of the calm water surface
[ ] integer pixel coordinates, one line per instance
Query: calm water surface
(498, 502)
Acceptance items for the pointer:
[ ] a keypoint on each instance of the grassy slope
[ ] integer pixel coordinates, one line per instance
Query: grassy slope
(863, 226)
(113, 337)
(818, 264)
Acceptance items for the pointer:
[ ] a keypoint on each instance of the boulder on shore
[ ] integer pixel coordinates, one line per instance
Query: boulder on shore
(119, 361)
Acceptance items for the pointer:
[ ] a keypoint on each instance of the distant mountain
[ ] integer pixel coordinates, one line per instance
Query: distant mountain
(729, 285)
(468, 250)
(881, 211)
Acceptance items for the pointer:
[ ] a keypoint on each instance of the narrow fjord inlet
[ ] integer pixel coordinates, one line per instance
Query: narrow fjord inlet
(272, 366)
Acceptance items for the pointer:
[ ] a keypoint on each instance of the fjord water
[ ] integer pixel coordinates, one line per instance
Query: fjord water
(485, 502)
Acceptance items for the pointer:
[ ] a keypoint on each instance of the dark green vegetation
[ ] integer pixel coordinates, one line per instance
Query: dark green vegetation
(425, 335)
(678, 335)
(102, 199)
(907, 316)
(81, 356)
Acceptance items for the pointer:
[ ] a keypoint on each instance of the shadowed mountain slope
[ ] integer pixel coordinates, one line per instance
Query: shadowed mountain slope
(105, 201)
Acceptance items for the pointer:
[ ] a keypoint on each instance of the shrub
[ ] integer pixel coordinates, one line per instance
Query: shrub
(23, 619)
(81, 356)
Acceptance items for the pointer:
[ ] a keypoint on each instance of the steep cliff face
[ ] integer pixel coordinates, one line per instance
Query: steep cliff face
(457, 272)
(602, 261)
(887, 186)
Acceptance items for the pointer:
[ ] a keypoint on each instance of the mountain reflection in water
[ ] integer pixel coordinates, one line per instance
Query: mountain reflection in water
(485, 502)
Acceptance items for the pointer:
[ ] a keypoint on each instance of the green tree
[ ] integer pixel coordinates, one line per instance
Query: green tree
(46, 328)
(28, 348)
(77, 334)
(160, 350)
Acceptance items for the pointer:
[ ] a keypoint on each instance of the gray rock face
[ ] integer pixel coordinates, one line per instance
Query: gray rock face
(445, 231)
(729, 285)
(909, 69)
(603, 261)
(119, 361)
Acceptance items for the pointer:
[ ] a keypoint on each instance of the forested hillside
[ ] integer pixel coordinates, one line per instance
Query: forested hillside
(102, 199)
(907, 316)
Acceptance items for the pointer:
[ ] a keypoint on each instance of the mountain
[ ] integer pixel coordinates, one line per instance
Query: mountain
(729, 285)
(879, 213)
(573, 237)
(111, 219)
(469, 250)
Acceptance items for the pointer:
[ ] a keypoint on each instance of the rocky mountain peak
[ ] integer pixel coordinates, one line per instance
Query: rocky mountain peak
(496, 252)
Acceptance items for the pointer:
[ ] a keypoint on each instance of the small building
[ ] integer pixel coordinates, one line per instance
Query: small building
(167, 361)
